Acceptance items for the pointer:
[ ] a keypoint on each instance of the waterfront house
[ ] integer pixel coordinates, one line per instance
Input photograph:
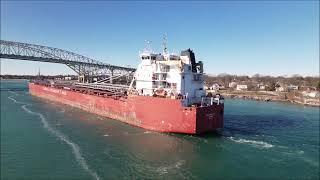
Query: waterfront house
(293, 87)
(67, 78)
(280, 89)
(215, 86)
(307, 88)
(232, 85)
(312, 94)
(242, 87)
(261, 86)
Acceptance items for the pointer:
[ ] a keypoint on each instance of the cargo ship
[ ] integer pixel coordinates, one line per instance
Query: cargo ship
(166, 95)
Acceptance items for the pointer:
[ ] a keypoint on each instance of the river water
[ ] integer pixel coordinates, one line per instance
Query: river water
(42, 139)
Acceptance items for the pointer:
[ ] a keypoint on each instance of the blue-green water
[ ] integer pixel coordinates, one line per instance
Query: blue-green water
(41, 139)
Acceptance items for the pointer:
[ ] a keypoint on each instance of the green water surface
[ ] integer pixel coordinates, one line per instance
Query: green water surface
(261, 140)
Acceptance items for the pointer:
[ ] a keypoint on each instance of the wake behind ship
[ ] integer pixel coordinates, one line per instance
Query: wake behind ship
(165, 95)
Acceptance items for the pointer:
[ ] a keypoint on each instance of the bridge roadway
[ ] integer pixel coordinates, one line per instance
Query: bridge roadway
(82, 65)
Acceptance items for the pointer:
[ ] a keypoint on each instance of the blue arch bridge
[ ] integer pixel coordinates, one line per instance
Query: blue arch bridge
(85, 67)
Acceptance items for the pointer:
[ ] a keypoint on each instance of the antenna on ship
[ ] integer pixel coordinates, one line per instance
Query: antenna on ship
(165, 48)
(164, 44)
(39, 75)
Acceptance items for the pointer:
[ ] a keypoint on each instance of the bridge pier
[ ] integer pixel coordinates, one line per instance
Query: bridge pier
(81, 79)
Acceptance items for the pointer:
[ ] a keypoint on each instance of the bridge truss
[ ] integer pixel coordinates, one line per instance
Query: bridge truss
(82, 65)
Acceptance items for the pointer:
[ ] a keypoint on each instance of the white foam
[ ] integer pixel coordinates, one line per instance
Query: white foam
(14, 93)
(165, 169)
(17, 102)
(162, 170)
(252, 142)
(312, 162)
(106, 135)
(179, 163)
(300, 152)
(75, 148)
(293, 152)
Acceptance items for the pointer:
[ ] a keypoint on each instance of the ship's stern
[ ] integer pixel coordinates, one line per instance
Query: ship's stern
(209, 118)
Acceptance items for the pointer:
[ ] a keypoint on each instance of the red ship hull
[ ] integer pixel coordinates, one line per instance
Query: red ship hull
(152, 113)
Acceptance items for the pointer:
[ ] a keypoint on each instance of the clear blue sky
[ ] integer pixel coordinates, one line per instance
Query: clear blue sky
(270, 38)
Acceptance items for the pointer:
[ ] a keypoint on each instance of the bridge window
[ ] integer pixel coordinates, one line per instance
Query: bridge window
(196, 77)
(174, 85)
(145, 57)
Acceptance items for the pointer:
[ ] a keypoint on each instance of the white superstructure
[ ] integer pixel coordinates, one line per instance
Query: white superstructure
(171, 76)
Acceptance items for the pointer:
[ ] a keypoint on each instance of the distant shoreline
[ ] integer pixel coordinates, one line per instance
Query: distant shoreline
(14, 79)
(269, 98)
(248, 95)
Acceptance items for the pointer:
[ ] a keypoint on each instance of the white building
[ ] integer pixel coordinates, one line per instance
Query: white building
(242, 87)
(280, 89)
(232, 84)
(215, 86)
(293, 87)
(313, 94)
(67, 78)
(262, 87)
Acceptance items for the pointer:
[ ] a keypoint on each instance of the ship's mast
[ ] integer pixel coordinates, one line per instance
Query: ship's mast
(165, 48)
(164, 44)
(39, 75)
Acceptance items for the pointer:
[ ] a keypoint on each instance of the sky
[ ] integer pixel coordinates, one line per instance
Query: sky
(243, 38)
